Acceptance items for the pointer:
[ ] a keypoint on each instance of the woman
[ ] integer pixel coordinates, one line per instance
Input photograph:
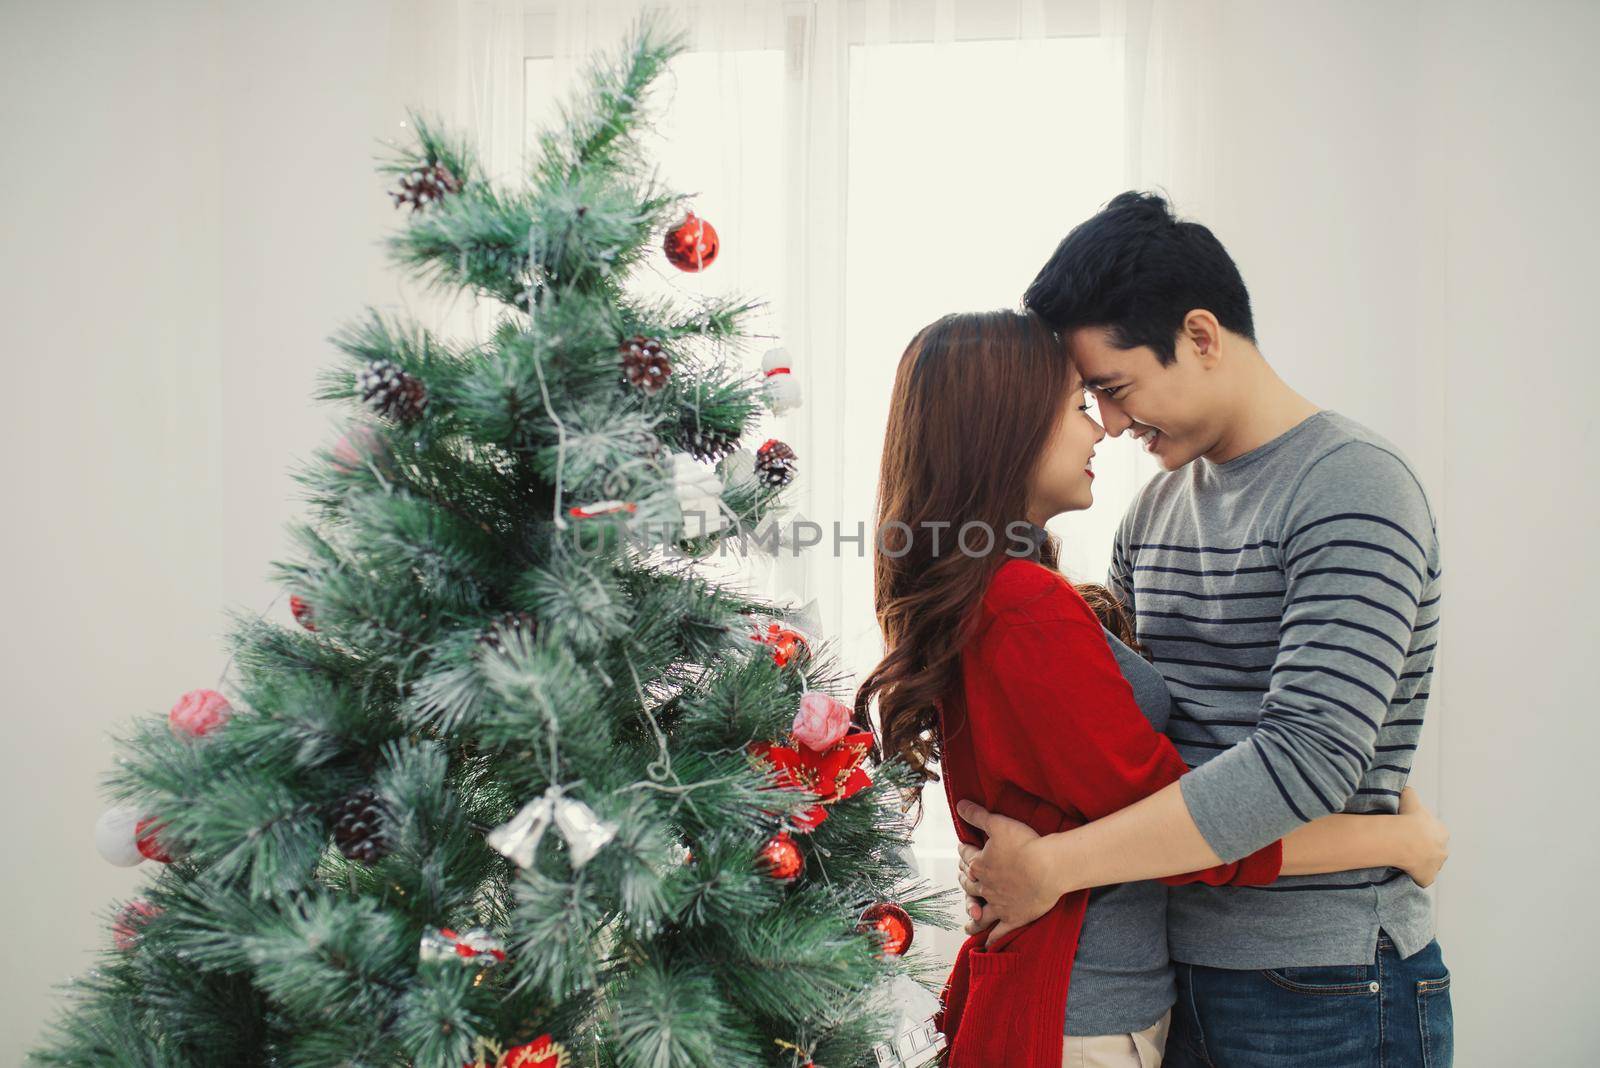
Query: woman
(1003, 673)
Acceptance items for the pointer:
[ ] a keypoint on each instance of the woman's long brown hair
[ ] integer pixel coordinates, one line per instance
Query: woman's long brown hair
(976, 398)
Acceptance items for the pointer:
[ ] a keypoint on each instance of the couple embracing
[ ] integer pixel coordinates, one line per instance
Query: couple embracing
(1187, 838)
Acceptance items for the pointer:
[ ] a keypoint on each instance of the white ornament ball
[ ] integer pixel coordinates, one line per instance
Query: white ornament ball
(116, 837)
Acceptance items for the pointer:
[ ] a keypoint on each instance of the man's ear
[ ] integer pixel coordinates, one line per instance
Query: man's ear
(1203, 331)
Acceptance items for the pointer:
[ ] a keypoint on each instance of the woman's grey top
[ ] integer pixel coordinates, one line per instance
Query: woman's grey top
(1122, 976)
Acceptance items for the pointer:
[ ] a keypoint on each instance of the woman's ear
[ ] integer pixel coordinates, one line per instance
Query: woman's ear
(1205, 334)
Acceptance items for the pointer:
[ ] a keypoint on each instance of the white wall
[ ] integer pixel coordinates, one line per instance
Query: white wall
(190, 210)
(1509, 150)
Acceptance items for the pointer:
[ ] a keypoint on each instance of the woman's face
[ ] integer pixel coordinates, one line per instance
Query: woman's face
(1062, 480)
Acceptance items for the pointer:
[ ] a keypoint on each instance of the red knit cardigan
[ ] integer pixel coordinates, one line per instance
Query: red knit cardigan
(1049, 734)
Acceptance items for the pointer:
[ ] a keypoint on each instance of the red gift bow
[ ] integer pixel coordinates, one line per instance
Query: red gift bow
(832, 775)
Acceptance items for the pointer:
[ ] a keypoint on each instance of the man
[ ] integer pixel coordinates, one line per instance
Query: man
(1283, 572)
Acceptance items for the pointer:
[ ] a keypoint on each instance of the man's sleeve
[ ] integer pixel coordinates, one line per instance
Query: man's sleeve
(1119, 575)
(1356, 544)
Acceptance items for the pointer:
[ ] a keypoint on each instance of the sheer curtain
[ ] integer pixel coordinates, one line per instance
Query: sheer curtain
(871, 165)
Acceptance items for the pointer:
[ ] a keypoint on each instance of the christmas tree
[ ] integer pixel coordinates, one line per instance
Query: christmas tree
(519, 784)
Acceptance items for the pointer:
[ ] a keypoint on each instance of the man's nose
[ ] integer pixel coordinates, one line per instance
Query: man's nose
(1113, 418)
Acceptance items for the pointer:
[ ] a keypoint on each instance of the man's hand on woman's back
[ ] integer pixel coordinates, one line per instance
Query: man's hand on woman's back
(1008, 882)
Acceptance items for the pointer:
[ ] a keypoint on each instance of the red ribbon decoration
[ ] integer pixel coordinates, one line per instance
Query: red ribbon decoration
(542, 1052)
(832, 775)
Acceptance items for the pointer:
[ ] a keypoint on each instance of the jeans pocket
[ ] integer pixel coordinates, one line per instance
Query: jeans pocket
(1436, 1022)
(1332, 980)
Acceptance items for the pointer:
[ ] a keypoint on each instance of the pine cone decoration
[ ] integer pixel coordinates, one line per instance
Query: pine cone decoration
(426, 185)
(707, 443)
(358, 827)
(522, 624)
(391, 392)
(645, 365)
(775, 463)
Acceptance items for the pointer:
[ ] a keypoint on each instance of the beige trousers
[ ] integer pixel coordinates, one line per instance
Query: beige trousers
(1142, 1049)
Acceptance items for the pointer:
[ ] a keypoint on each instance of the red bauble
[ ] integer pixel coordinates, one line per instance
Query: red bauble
(692, 245)
(198, 712)
(134, 915)
(146, 834)
(782, 858)
(892, 926)
(786, 644)
(301, 609)
(787, 647)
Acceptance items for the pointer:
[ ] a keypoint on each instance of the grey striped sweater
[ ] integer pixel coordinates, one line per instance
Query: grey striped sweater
(1290, 598)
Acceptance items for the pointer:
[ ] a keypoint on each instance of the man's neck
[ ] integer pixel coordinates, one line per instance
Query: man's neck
(1267, 408)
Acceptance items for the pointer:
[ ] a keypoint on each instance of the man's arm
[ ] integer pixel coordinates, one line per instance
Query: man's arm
(1355, 568)
(1355, 550)
(1025, 873)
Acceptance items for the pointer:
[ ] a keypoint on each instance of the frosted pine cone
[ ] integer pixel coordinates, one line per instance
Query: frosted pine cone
(775, 463)
(391, 392)
(645, 365)
(521, 624)
(424, 186)
(707, 443)
(359, 827)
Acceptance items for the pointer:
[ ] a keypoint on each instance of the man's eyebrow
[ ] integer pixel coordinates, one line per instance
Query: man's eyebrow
(1100, 381)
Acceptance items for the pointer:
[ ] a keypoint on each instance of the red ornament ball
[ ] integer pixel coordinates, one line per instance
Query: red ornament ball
(198, 712)
(301, 609)
(789, 646)
(892, 926)
(146, 833)
(134, 915)
(692, 245)
(782, 858)
(786, 644)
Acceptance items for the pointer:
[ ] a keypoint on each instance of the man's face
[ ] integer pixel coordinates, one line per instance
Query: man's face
(1169, 410)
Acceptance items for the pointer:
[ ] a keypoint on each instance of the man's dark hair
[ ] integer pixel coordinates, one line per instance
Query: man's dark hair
(1137, 269)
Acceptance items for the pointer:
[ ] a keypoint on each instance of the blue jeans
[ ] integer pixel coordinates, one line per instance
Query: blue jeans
(1392, 1013)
